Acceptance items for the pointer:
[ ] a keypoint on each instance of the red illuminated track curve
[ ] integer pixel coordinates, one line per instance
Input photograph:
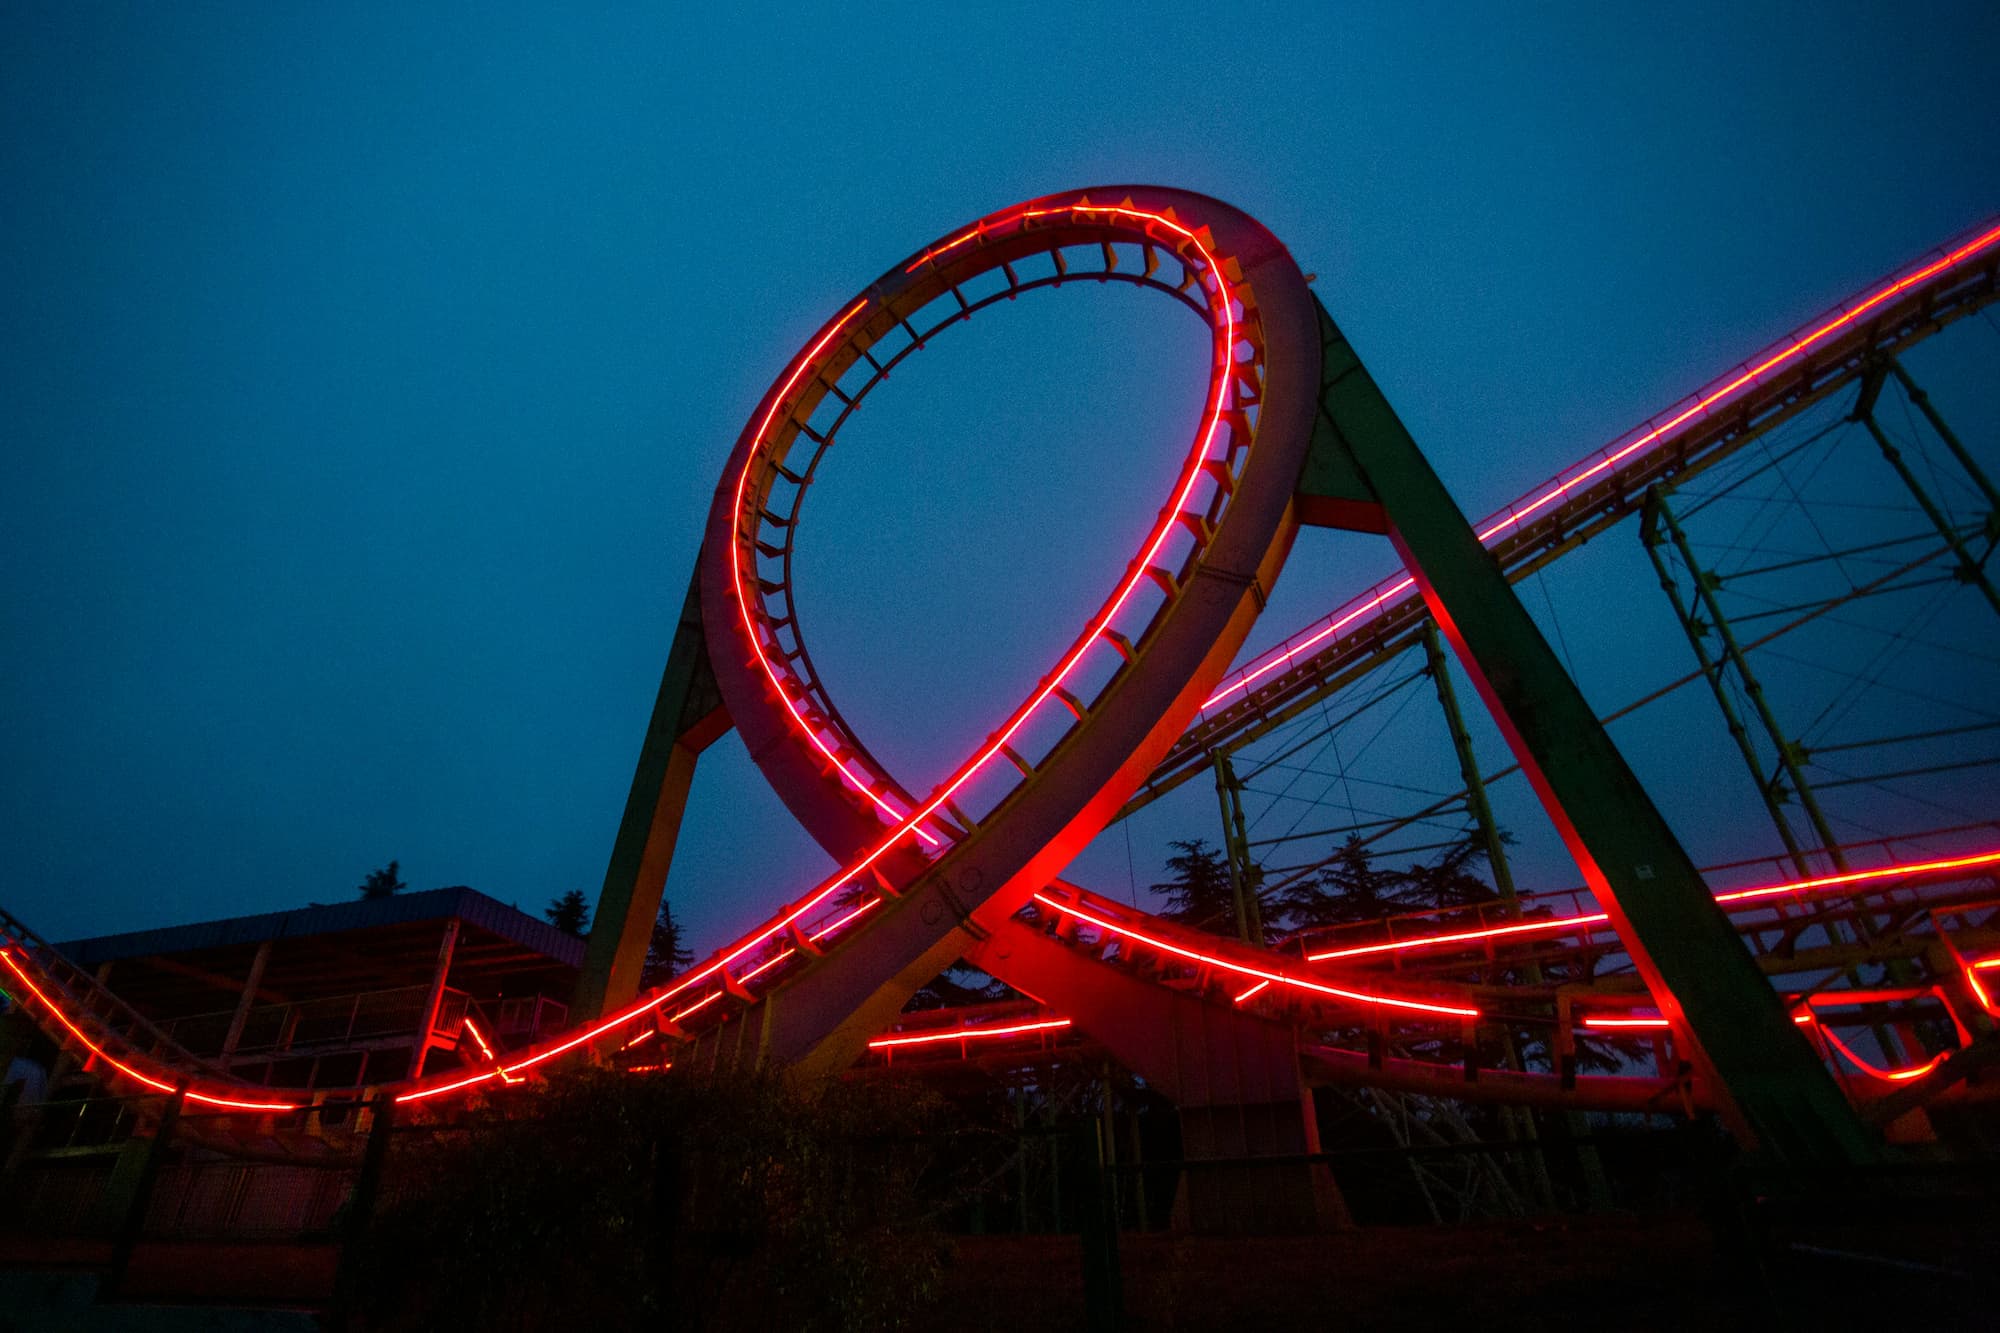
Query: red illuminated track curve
(920, 874)
(1851, 880)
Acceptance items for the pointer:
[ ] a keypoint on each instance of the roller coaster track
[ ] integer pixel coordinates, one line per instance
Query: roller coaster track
(968, 869)
(1786, 379)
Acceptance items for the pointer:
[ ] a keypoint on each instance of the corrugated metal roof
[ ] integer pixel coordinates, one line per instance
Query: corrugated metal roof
(469, 905)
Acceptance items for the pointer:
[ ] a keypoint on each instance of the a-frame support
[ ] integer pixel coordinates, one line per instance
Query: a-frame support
(688, 716)
(1366, 473)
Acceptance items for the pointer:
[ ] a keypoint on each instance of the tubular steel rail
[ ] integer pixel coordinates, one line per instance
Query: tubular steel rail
(969, 868)
(1796, 373)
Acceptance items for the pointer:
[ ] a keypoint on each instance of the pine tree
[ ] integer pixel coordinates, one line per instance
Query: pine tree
(665, 954)
(1197, 890)
(1451, 880)
(381, 883)
(1348, 888)
(569, 913)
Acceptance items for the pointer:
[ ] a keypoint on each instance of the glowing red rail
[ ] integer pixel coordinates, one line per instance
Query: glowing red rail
(194, 1093)
(1779, 357)
(967, 1034)
(707, 984)
(1248, 970)
(1817, 884)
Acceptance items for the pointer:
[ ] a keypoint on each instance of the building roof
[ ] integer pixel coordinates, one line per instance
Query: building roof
(342, 948)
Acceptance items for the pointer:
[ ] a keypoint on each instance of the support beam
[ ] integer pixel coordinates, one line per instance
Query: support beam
(1970, 569)
(1476, 803)
(435, 999)
(1243, 873)
(1950, 438)
(1658, 517)
(687, 717)
(1775, 1093)
(244, 1002)
(1518, 1122)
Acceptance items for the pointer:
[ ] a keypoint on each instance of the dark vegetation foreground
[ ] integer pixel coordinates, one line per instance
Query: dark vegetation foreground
(600, 1201)
(1603, 1274)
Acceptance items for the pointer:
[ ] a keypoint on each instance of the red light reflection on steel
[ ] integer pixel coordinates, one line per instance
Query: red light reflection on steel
(194, 1094)
(1243, 969)
(967, 1034)
(1818, 884)
(1979, 992)
(1873, 1070)
(479, 1040)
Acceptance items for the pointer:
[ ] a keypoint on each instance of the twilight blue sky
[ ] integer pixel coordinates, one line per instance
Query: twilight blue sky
(366, 370)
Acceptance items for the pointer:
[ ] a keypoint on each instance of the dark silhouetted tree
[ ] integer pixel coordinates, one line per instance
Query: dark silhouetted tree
(569, 913)
(1197, 888)
(1452, 880)
(381, 883)
(666, 955)
(1348, 888)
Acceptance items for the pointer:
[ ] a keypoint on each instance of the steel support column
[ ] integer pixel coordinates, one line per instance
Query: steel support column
(1970, 569)
(1657, 515)
(687, 717)
(251, 985)
(435, 999)
(1951, 441)
(1776, 1094)
(1476, 803)
(1518, 1121)
(1243, 873)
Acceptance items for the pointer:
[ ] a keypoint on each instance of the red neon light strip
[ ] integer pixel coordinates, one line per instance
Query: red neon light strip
(1252, 991)
(637, 1008)
(1241, 969)
(841, 923)
(193, 1095)
(1463, 936)
(696, 1007)
(1876, 1071)
(1972, 971)
(486, 1050)
(1703, 404)
(1861, 876)
(1292, 653)
(967, 1034)
(1832, 999)
(766, 965)
(736, 564)
(1816, 885)
(909, 823)
(1162, 530)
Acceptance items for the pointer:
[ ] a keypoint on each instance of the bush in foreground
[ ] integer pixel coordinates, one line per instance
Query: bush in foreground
(600, 1201)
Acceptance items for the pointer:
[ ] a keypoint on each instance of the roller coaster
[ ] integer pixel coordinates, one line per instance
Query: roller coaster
(1737, 989)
